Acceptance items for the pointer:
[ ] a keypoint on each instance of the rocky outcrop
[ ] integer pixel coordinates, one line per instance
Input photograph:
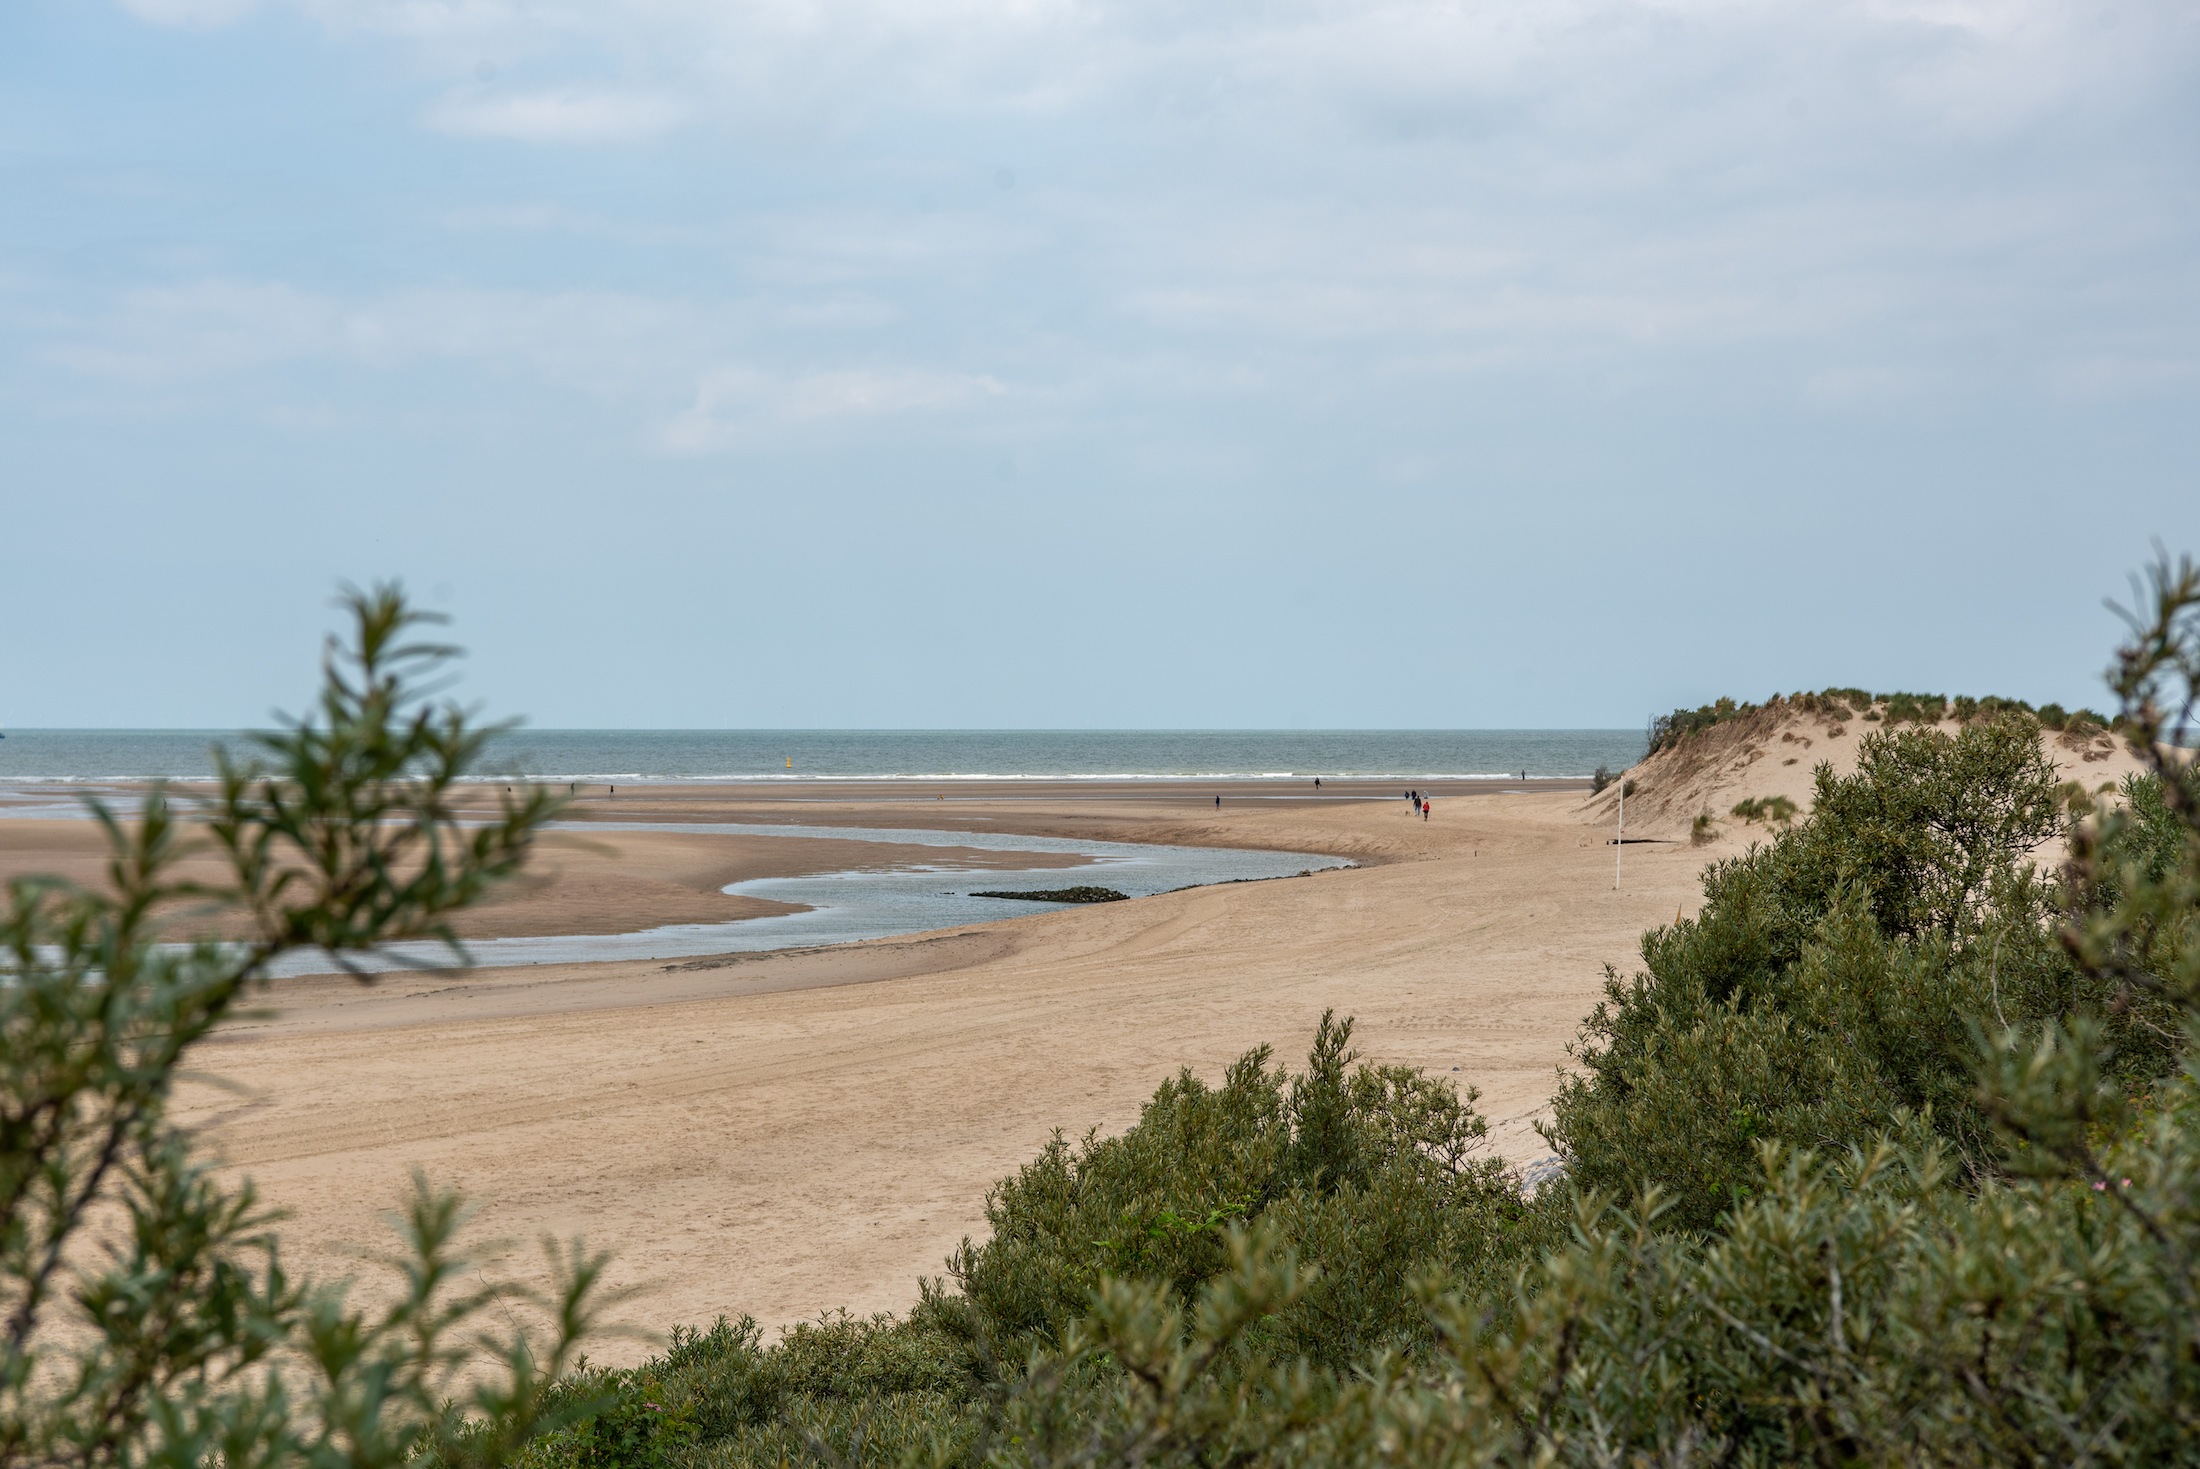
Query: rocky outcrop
(1062, 895)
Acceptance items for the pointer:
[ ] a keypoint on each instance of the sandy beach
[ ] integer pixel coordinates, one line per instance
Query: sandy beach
(785, 1134)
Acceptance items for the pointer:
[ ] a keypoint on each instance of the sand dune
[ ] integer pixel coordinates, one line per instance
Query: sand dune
(1775, 752)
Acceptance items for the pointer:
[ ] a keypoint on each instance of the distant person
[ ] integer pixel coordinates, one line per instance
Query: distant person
(1218, 803)
(1426, 807)
(1317, 782)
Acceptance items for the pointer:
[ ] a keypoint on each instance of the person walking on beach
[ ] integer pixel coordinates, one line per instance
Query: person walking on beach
(1426, 807)
(1218, 803)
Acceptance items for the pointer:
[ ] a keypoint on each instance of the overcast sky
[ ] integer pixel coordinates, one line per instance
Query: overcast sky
(983, 363)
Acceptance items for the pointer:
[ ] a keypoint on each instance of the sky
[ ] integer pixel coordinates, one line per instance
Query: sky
(1091, 363)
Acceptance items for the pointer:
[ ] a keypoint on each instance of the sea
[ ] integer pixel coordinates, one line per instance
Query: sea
(650, 755)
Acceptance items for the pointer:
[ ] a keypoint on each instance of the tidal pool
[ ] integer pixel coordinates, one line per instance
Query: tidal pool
(844, 907)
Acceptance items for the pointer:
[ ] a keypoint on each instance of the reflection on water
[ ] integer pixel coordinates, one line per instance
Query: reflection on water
(847, 906)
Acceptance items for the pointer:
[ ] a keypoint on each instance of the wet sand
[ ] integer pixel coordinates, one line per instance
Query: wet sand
(584, 882)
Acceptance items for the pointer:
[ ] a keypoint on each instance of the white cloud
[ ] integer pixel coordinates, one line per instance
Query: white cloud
(1867, 386)
(1651, 67)
(192, 339)
(839, 313)
(190, 14)
(735, 403)
(178, 348)
(557, 117)
(1853, 195)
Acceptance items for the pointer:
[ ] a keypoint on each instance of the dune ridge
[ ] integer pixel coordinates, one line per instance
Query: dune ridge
(1775, 749)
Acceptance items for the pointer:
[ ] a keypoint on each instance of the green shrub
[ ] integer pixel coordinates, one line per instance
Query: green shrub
(1369, 1179)
(1766, 808)
(1600, 780)
(1966, 709)
(1914, 708)
(627, 1420)
(2053, 716)
(1668, 731)
(1827, 986)
(149, 1319)
(2087, 721)
(1373, 1173)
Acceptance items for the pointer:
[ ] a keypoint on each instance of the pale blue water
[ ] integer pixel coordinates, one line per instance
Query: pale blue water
(848, 906)
(642, 756)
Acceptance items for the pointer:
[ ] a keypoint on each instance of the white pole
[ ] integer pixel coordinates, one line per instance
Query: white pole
(1619, 848)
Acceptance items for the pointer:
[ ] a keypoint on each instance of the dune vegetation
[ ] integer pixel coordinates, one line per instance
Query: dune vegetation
(1885, 1156)
(1671, 731)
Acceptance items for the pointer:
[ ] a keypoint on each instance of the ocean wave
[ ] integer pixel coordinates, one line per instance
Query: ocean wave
(798, 778)
(28, 782)
(827, 759)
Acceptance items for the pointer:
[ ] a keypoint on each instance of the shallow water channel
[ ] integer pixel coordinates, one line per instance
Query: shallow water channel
(847, 906)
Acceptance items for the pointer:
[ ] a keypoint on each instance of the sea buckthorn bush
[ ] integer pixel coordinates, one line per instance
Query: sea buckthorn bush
(146, 1317)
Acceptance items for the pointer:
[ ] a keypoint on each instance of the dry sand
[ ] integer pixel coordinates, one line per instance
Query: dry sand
(786, 1134)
